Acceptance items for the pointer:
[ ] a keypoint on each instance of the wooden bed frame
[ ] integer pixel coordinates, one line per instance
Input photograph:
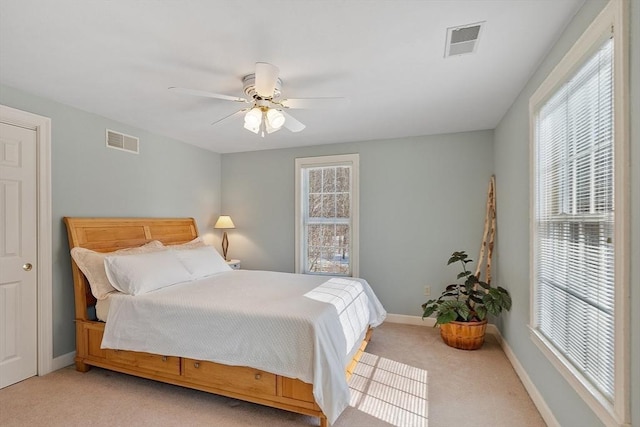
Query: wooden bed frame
(252, 385)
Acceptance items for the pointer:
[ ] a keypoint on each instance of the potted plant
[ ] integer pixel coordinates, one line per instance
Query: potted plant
(461, 310)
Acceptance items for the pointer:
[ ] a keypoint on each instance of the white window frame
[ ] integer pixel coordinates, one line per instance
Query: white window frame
(613, 18)
(352, 160)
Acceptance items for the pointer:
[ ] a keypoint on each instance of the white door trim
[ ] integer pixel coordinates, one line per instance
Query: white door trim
(42, 126)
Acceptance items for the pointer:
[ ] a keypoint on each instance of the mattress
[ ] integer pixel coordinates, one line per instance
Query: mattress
(298, 326)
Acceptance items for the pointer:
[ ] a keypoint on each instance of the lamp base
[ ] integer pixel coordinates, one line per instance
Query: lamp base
(225, 245)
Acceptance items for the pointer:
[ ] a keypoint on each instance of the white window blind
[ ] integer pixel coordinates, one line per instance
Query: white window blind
(574, 220)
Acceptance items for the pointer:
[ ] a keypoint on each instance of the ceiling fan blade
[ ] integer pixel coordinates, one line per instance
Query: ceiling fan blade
(304, 103)
(230, 115)
(206, 94)
(266, 78)
(291, 123)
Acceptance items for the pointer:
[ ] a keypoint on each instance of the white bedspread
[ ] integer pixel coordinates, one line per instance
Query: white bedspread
(287, 324)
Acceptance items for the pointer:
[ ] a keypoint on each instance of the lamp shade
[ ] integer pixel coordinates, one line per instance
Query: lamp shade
(276, 118)
(252, 128)
(253, 117)
(224, 222)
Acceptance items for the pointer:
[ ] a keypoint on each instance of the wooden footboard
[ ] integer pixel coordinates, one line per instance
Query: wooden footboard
(249, 384)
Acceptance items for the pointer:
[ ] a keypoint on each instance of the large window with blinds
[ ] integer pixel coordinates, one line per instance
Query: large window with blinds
(576, 255)
(574, 219)
(326, 215)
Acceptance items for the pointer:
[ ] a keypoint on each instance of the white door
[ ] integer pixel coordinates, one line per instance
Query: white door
(18, 297)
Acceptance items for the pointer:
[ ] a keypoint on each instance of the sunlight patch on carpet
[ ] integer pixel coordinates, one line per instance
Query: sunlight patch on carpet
(390, 391)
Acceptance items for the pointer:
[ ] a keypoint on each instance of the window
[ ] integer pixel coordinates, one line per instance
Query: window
(327, 215)
(574, 219)
(578, 201)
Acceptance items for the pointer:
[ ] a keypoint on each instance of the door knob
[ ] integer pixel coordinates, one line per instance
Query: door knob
(27, 267)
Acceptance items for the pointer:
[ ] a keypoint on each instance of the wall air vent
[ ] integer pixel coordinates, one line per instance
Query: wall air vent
(462, 40)
(123, 142)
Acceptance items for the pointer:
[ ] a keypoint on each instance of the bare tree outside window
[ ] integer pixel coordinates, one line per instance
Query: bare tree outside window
(326, 210)
(327, 219)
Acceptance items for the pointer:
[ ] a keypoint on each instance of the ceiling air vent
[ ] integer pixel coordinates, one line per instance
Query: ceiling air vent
(462, 40)
(120, 141)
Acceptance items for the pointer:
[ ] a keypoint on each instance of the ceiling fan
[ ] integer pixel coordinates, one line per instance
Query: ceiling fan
(266, 107)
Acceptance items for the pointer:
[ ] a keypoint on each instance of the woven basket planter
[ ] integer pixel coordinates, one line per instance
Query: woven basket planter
(464, 335)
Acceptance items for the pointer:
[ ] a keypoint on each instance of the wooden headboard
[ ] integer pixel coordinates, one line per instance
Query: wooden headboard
(110, 234)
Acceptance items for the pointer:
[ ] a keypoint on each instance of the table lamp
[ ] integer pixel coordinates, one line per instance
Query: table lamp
(224, 222)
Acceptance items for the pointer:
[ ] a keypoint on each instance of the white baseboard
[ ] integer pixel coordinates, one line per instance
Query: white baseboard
(410, 320)
(535, 395)
(493, 330)
(428, 321)
(63, 361)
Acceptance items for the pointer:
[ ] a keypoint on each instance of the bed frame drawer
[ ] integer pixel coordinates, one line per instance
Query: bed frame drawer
(296, 389)
(233, 378)
(146, 361)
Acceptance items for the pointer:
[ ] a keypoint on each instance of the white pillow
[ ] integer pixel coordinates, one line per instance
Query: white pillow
(198, 242)
(203, 261)
(139, 274)
(91, 263)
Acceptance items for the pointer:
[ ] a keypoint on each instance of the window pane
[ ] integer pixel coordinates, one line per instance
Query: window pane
(315, 180)
(328, 180)
(314, 245)
(315, 205)
(328, 205)
(342, 179)
(342, 205)
(328, 235)
(328, 249)
(342, 234)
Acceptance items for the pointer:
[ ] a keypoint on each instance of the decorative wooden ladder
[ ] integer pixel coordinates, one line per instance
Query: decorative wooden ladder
(488, 236)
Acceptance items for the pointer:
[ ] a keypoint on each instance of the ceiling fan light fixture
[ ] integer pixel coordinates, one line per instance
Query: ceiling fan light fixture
(265, 109)
(253, 118)
(269, 128)
(275, 118)
(253, 128)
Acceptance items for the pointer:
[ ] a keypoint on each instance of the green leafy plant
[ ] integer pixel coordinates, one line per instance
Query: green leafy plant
(469, 301)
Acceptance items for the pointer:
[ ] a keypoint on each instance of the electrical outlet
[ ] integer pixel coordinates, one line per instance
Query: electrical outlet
(427, 290)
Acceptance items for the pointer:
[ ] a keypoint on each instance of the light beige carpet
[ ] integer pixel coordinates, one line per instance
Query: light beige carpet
(390, 387)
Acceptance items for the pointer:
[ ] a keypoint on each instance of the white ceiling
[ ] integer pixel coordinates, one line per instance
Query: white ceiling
(116, 58)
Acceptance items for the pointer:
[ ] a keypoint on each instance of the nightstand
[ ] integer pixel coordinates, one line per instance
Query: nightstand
(234, 264)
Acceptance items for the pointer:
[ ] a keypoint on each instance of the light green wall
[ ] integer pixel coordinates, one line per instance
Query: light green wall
(512, 160)
(421, 198)
(168, 178)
